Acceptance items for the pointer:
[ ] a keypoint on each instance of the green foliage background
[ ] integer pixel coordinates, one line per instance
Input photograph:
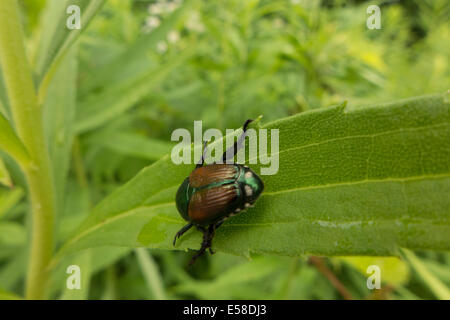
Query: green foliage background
(115, 91)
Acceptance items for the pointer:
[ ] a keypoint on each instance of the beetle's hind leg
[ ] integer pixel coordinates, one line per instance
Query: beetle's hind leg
(181, 232)
(204, 246)
(214, 228)
(208, 235)
(237, 145)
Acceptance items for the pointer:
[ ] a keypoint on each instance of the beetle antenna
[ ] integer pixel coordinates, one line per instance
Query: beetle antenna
(232, 151)
(246, 124)
(202, 161)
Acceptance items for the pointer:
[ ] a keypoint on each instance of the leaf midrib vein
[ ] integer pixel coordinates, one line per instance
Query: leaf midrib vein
(303, 219)
(443, 124)
(131, 211)
(323, 142)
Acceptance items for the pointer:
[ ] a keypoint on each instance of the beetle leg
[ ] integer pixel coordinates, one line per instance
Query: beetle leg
(237, 145)
(218, 224)
(181, 232)
(211, 236)
(205, 244)
(212, 233)
(244, 127)
(208, 235)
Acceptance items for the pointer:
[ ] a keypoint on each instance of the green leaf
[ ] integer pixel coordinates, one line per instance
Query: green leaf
(90, 261)
(57, 38)
(132, 144)
(14, 270)
(439, 289)
(351, 181)
(9, 198)
(10, 142)
(59, 118)
(5, 295)
(3, 109)
(12, 233)
(135, 58)
(151, 274)
(439, 269)
(228, 284)
(99, 108)
(5, 178)
(83, 261)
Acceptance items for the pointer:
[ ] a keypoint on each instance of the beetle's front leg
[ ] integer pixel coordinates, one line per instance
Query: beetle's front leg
(208, 235)
(205, 244)
(181, 232)
(213, 231)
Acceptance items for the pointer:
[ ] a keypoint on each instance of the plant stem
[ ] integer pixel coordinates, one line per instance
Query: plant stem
(27, 116)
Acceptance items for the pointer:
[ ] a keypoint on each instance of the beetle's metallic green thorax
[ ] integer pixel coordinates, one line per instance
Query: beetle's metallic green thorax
(251, 184)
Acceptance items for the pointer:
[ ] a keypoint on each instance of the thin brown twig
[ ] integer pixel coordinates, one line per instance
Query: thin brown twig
(319, 263)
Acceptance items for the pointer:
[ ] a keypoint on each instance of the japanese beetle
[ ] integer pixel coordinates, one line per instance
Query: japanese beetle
(212, 193)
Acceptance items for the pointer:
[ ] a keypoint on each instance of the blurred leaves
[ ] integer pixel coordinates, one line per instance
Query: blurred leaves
(57, 38)
(151, 274)
(134, 61)
(5, 295)
(5, 178)
(439, 289)
(122, 96)
(133, 145)
(59, 118)
(393, 270)
(143, 68)
(12, 233)
(233, 282)
(9, 198)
